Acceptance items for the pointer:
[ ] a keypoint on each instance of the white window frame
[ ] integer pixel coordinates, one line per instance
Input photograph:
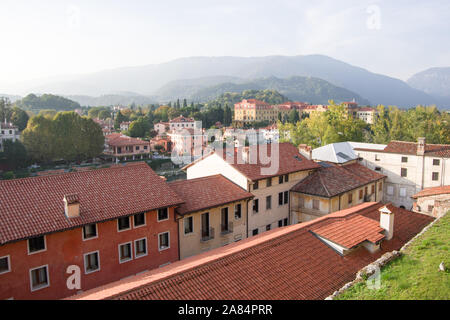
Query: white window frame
(390, 188)
(136, 256)
(159, 240)
(31, 278)
(129, 223)
(157, 215)
(142, 225)
(184, 227)
(42, 250)
(8, 258)
(131, 251)
(402, 192)
(84, 261)
(96, 232)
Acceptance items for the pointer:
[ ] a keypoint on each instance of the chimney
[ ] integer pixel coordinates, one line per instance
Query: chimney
(71, 205)
(246, 154)
(305, 151)
(387, 222)
(421, 146)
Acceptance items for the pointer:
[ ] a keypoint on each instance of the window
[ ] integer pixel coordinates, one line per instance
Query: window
(404, 172)
(436, 162)
(360, 194)
(280, 199)
(123, 223)
(301, 202)
(188, 225)
(376, 158)
(255, 186)
(286, 178)
(163, 214)
(280, 179)
(402, 192)
(280, 223)
(285, 222)
(380, 186)
(163, 241)
(255, 206)
(91, 262)
(350, 198)
(125, 252)
(36, 244)
(237, 211)
(255, 232)
(4, 265)
(377, 168)
(139, 219)
(430, 208)
(90, 231)
(372, 189)
(435, 176)
(390, 190)
(269, 182)
(404, 159)
(140, 248)
(268, 202)
(39, 278)
(316, 204)
(286, 197)
(268, 227)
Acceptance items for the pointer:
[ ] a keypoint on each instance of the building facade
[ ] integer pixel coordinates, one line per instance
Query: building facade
(8, 131)
(121, 147)
(434, 202)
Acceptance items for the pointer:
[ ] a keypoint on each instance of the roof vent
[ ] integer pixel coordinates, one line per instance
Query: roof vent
(71, 205)
(387, 222)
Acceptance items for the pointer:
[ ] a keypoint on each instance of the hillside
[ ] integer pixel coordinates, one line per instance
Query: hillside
(33, 102)
(124, 99)
(312, 90)
(415, 275)
(146, 80)
(230, 98)
(434, 81)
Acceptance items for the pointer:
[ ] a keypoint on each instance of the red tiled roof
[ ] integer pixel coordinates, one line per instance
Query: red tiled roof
(289, 159)
(119, 140)
(207, 192)
(404, 147)
(334, 180)
(351, 232)
(432, 192)
(34, 206)
(181, 119)
(287, 263)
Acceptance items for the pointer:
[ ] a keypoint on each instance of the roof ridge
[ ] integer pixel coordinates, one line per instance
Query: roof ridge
(322, 183)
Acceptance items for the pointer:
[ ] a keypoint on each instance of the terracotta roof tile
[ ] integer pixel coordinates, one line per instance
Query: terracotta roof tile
(432, 191)
(287, 263)
(404, 147)
(207, 192)
(34, 206)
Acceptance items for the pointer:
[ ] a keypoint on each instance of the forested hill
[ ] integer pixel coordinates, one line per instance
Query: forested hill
(230, 98)
(307, 89)
(33, 102)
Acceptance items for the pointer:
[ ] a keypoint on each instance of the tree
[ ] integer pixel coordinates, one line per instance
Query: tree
(184, 103)
(139, 128)
(293, 116)
(119, 119)
(14, 154)
(19, 118)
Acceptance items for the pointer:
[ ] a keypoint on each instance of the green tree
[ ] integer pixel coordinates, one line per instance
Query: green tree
(19, 118)
(14, 154)
(118, 120)
(139, 128)
(294, 116)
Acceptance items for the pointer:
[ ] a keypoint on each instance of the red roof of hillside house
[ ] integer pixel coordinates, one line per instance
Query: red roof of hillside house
(334, 180)
(366, 109)
(288, 263)
(120, 140)
(34, 206)
(207, 192)
(404, 147)
(432, 192)
(8, 126)
(349, 233)
(181, 119)
(288, 157)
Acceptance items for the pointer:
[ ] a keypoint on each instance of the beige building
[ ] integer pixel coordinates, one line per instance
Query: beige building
(333, 188)
(409, 166)
(434, 202)
(270, 207)
(214, 213)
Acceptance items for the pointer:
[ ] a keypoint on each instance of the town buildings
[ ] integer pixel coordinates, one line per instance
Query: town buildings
(106, 223)
(434, 201)
(121, 147)
(125, 126)
(214, 213)
(269, 180)
(409, 166)
(177, 123)
(309, 260)
(8, 131)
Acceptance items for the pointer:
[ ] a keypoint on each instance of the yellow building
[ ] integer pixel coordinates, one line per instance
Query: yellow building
(214, 214)
(333, 188)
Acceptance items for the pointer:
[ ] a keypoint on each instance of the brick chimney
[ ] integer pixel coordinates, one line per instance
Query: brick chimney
(421, 146)
(71, 205)
(305, 151)
(387, 222)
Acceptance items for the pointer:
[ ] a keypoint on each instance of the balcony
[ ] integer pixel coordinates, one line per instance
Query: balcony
(226, 228)
(207, 235)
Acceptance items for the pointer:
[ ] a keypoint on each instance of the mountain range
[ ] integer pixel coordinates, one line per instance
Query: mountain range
(198, 72)
(435, 82)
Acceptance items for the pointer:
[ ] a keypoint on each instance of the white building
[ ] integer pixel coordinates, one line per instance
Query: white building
(8, 131)
(410, 167)
(342, 152)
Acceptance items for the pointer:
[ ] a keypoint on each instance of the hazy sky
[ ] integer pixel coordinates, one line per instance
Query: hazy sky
(41, 38)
